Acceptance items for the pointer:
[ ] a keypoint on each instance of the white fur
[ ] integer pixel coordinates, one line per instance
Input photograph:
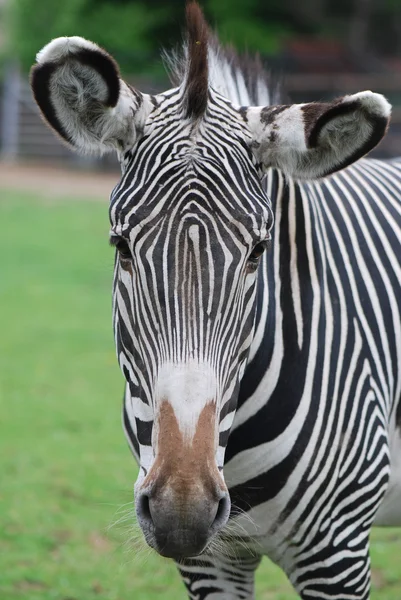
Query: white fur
(373, 103)
(188, 387)
(282, 143)
(288, 126)
(61, 47)
(389, 513)
(78, 93)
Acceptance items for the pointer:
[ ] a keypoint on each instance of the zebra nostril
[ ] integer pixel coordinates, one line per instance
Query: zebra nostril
(222, 513)
(143, 508)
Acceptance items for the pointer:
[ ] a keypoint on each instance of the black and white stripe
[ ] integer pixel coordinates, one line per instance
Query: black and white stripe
(307, 456)
(297, 349)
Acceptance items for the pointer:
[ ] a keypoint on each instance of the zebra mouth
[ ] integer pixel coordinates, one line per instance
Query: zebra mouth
(179, 544)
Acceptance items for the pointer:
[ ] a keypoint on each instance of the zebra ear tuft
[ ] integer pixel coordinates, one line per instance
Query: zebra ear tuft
(308, 141)
(79, 91)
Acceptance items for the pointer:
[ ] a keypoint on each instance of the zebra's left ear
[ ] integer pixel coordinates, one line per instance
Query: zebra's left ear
(307, 141)
(79, 91)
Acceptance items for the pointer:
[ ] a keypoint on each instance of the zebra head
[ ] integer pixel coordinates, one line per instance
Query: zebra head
(190, 220)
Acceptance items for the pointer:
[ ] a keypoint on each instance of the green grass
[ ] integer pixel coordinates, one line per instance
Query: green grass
(65, 465)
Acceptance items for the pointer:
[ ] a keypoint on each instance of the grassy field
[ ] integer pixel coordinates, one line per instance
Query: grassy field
(66, 469)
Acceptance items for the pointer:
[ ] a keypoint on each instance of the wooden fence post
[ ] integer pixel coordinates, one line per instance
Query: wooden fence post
(9, 113)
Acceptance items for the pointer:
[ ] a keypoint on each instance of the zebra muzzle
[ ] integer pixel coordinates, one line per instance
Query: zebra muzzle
(177, 529)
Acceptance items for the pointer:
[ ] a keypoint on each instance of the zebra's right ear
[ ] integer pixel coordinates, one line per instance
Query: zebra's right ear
(79, 91)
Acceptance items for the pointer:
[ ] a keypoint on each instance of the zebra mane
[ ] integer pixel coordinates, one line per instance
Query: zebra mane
(202, 62)
(197, 80)
(241, 78)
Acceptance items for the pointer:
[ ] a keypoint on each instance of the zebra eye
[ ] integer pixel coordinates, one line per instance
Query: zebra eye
(122, 247)
(257, 252)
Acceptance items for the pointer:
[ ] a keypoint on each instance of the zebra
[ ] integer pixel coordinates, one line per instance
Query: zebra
(256, 312)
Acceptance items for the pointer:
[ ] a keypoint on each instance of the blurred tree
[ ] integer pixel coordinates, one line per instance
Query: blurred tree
(358, 33)
(124, 27)
(385, 30)
(309, 14)
(240, 24)
(135, 30)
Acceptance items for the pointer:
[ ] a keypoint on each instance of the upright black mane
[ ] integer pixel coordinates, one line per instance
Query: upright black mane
(205, 63)
(197, 76)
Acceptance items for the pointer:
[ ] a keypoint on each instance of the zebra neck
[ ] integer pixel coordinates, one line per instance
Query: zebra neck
(285, 278)
(287, 323)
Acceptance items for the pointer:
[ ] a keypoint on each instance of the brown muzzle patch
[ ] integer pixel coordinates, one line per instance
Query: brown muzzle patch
(185, 468)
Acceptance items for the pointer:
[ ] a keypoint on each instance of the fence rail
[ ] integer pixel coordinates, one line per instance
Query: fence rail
(343, 82)
(23, 134)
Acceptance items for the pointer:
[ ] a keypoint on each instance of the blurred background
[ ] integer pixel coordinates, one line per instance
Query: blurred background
(66, 522)
(320, 49)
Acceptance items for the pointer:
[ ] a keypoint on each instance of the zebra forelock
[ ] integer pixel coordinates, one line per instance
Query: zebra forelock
(197, 77)
(203, 63)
